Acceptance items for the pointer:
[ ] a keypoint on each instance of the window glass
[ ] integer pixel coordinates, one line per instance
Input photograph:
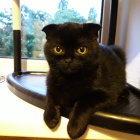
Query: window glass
(36, 14)
(6, 34)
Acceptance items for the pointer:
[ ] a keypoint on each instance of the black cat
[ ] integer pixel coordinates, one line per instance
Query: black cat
(84, 77)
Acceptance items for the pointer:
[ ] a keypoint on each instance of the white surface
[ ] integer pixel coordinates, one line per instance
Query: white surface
(19, 118)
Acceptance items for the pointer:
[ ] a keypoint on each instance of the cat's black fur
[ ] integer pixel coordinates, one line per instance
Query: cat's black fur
(84, 83)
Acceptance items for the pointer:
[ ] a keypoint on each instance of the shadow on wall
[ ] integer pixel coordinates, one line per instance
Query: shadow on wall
(128, 28)
(133, 71)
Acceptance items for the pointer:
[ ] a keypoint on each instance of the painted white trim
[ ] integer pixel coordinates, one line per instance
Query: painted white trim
(16, 15)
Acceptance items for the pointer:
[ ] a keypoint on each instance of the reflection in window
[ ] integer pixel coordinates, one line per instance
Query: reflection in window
(36, 14)
(6, 34)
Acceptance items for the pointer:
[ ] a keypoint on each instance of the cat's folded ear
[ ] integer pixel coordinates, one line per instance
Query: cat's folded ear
(49, 29)
(92, 28)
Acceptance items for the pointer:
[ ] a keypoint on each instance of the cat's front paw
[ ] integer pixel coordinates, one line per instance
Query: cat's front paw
(52, 117)
(76, 128)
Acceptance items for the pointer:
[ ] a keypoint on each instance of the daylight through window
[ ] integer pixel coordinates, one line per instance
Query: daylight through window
(35, 15)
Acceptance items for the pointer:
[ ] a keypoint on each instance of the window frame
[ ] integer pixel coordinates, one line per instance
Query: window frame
(17, 39)
(107, 12)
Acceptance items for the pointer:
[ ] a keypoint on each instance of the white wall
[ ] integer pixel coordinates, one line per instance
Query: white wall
(128, 36)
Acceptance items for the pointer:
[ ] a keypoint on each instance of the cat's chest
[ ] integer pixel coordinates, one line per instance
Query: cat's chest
(71, 84)
(68, 90)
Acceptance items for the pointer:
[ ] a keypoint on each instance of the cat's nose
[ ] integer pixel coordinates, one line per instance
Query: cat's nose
(68, 60)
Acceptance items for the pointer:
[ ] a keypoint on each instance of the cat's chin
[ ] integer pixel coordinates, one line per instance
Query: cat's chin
(69, 71)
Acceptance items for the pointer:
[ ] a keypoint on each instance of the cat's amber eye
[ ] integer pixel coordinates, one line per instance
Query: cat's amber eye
(82, 50)
(58, 50)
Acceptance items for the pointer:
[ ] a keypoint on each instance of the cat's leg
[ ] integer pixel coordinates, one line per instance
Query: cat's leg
(83, 110)
(52, 113)
(78, 120)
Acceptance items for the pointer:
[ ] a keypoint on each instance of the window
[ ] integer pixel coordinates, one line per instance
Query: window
(35, 15)
(6, 34)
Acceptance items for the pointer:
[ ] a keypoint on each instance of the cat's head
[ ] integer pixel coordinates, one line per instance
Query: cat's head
(71, 47)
